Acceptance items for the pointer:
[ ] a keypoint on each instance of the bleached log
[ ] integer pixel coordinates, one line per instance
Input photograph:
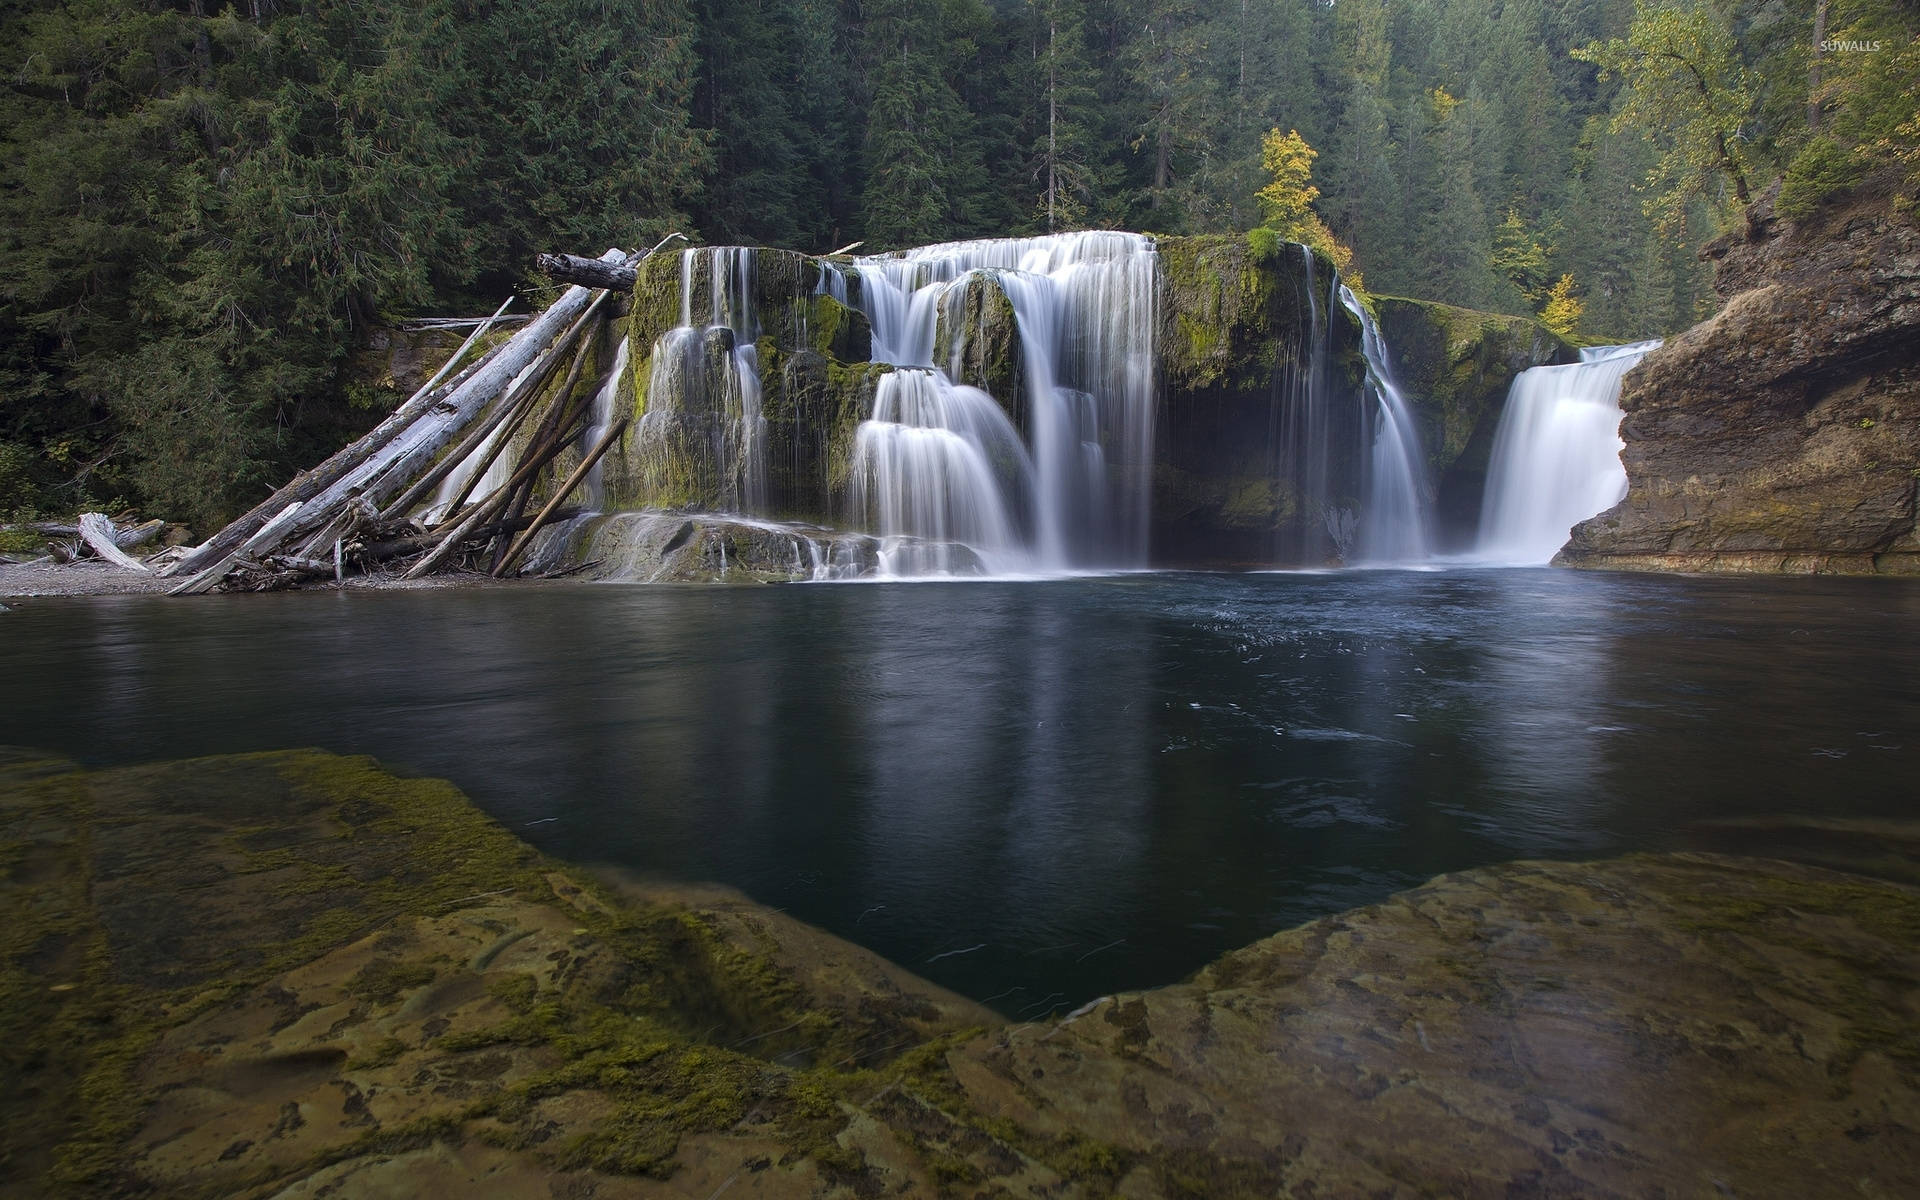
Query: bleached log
(97, 531)
(479, 332)
(397, 463)
(309, 484)
(269, 534)
(125, 539)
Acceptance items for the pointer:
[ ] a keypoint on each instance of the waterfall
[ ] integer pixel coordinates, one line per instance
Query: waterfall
(1301, 437)
(1086, 309)
(1556, 458)
(937, 468)
(606, 402)
(703, 389)
(1393, 526)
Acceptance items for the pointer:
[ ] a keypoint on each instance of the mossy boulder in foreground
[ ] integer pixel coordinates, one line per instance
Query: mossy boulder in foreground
(294, 974)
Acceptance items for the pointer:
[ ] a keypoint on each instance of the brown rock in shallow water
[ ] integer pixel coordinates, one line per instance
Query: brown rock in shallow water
(1783, 434)
(297, 975)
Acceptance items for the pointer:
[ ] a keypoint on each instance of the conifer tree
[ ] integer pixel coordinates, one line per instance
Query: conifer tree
(1562, 311)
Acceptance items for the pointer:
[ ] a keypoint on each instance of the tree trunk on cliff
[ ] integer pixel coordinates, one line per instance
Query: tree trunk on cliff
(1813, 71)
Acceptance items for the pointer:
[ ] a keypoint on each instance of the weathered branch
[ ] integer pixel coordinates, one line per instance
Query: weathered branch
(598, 273)
(96, 530)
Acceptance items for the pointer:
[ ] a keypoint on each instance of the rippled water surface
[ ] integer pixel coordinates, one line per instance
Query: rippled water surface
(1039, 792)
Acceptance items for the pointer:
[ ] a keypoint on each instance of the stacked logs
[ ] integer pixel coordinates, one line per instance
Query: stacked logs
(356, 511)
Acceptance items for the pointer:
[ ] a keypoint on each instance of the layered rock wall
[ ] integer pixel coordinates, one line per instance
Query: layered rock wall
(1783, 434)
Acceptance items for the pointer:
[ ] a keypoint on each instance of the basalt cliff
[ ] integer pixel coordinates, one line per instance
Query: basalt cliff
(1783, 434)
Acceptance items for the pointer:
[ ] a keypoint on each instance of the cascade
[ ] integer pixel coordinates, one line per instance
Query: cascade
(1086, 309)
(605, 402)
(939, 472)
(1556, 458)
(1393, 526)
(1302, 439)
(1014, 432)
(704, 384)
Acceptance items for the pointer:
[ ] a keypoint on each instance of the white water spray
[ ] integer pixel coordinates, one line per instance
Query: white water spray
(1556, 459)
(1394, 525)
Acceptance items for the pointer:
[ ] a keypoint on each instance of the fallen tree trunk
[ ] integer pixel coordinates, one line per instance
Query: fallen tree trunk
(379, 552)
(97, 531)
(587, 272)
(269, 534)
(398, 464)
(598, 273)
(308, 484)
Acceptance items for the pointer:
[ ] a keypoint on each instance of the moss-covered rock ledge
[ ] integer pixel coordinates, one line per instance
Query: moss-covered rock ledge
(297, 975)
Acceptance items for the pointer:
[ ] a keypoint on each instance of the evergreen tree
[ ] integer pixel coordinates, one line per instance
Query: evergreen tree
(1064, 153)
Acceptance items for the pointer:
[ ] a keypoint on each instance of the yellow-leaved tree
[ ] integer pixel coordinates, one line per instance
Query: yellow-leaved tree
(1288, 200)
(1562, 313)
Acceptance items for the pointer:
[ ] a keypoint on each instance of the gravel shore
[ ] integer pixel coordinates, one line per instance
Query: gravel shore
(89, 577)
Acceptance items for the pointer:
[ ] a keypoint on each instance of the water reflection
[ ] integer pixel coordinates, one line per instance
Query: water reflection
(1039, 792)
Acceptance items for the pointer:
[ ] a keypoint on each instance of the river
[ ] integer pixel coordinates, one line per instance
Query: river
(1040, 792)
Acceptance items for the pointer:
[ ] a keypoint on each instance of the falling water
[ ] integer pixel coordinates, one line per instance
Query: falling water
(1556, 459)
(1393, 526)
(1301, 439)
(939, 472)
(1086, 307)
(606, 402)
(704, 384)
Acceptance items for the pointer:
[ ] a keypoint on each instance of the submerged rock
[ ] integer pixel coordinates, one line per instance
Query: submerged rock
(1782, 434)
(295, 974)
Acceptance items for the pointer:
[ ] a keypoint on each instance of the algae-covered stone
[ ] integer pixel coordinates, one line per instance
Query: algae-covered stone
(976, 338)
(297, 974)
(233, 976)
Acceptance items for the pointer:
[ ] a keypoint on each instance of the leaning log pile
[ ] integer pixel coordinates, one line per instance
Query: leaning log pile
(359, 512)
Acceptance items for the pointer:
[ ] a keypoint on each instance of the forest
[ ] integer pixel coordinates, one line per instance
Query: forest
(205, 206)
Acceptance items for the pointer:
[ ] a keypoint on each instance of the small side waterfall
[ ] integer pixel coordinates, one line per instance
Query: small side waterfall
(704, 386)
(1086, 309)
(1394, 523)
(1556, 458)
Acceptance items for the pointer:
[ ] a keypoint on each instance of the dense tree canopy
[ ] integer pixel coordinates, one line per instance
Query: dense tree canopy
(204, 204)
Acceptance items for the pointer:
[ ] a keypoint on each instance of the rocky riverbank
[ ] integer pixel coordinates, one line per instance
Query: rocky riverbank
(295, 974)
(1783, 434)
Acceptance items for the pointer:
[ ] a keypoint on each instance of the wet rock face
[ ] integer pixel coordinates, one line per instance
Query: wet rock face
(1238, 334)
(1783, 434)
(1648, 1026)
(977, 338)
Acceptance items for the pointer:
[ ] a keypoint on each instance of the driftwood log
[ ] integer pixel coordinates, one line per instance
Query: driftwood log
(360, 505)
(97, 531)
(598, 273)
(587, 272)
